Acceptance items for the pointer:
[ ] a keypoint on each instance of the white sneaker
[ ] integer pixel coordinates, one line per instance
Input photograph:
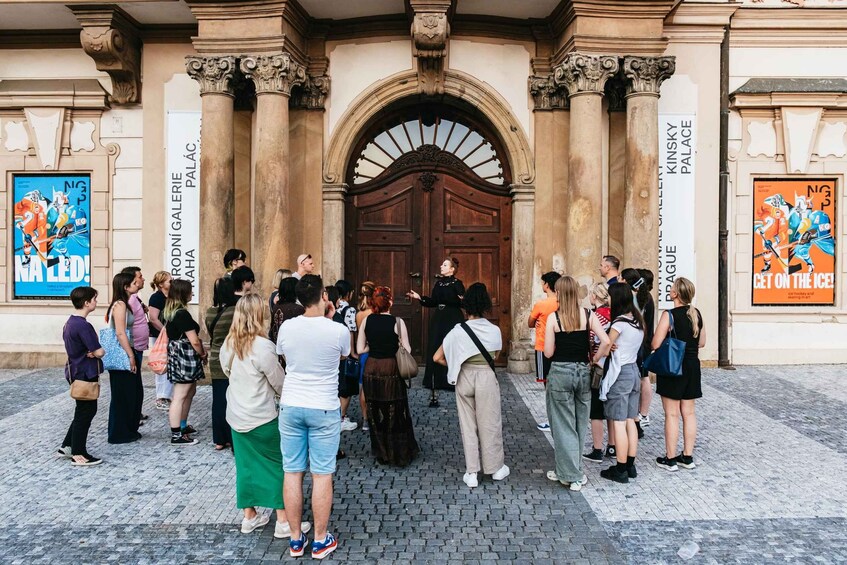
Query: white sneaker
(347, 425)
(283, 530)
(501, 473)
(645, 420)
(577, 485)
(65, 451)
(259, 520)
(470, 480)
(365, 427)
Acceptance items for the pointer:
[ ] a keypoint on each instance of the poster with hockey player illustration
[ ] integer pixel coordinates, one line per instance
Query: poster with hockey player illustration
(794, 242)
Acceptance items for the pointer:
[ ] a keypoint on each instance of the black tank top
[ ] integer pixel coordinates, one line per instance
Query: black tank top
(572, 347)
(382, 340)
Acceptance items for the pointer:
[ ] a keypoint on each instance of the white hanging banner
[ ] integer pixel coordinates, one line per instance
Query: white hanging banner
(183, 197)
(677, 154)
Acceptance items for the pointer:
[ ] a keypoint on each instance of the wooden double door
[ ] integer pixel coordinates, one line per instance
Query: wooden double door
(399, 234)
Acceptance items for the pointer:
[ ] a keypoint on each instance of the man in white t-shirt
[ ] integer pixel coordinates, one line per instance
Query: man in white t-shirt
(309, 415)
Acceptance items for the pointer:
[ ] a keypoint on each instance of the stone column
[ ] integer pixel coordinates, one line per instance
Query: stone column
(332, 254)
(217, 193)
(616, 97)
(641, 207)
(273, 75)
(585, 77)
(523, 258)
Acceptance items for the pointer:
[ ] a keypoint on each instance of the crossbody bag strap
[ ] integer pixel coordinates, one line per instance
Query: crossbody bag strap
(670, 321)
(479, 345)
(215, 323)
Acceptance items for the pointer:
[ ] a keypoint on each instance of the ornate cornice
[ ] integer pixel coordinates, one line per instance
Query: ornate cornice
(275, 74)
(546, 94)
(312, 93)
(583, 73)
(430, 30)
(214, 74)
(645, 75)
(111, 38)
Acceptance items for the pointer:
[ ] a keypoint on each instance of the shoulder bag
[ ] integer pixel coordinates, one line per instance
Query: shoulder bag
(116, 358)
(80, 389)
(407, 367)
(157, 361)
(485, 354)
(667, 359)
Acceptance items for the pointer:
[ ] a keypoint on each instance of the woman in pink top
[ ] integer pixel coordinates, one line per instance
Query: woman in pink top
(140, 336)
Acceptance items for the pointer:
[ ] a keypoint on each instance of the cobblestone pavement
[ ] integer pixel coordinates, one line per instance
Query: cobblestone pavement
(767, 488)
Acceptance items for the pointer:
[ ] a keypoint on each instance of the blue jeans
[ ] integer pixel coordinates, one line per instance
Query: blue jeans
(309, 433)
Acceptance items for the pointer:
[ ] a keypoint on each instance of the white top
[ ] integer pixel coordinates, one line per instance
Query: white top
(628, 343)
(253, 383)
(459, 347)
(313, 347)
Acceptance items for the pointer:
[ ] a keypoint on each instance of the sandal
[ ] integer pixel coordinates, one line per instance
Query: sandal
(220, 447)
(88, 461)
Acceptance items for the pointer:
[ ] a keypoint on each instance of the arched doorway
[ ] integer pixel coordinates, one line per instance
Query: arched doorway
(429, 181)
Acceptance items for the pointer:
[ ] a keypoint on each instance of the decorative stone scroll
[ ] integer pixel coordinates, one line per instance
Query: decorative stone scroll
(273, 73)
(312, 93)
(110, 37)
(583, 73)
(646, 74)
(430, 30)
(546, 94)
(215, 74)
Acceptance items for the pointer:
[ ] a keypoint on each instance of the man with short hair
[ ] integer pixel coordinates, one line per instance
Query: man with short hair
(243, 280)
(609, 266)
(140, 336)
(538, 320)
(305, 266)
(309, 417)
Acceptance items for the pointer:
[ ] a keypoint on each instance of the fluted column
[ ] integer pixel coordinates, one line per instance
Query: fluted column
(217, 193)
(585, 77)
(641, 204)
(274, 76)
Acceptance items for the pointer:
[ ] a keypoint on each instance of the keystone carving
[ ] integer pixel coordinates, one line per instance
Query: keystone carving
(581, 73)
(312, 94)
(273, 73)
(110, 37)
(214, 74)
(546, 94)
(645, 75)
(430, 30)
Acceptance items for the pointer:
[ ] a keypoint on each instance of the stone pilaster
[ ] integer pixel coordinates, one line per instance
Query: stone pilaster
(312, 94)
(523, 258)
(641, 203)
(217, 170)
(332, 253)
(585, 77)
(546, 94)
(274, 77)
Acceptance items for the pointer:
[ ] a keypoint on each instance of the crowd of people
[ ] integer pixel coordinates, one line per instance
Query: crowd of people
(284, 368)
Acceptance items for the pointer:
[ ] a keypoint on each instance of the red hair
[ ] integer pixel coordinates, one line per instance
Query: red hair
(381, 299)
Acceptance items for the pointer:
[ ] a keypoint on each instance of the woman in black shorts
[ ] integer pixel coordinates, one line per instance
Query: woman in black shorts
(679, 392)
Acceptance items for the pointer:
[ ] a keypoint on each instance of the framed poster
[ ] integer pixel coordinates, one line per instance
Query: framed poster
(52, 239)
(794, 242)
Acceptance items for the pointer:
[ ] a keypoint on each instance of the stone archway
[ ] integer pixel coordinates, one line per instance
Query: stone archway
(518, 152)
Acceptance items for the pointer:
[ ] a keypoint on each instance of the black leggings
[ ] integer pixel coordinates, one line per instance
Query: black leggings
(78, 431)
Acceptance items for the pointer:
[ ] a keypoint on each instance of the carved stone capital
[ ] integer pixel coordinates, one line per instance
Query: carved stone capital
(110, 37)
(312, 94)
(645, 75)
(583, 73)
(273, 73)
(546, 94)
(215, 74)
(430, 30)
(616, 93)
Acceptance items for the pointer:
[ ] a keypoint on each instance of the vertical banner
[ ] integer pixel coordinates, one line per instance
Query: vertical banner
(183, 197)
(794, 242)
(677, 153)
(52, 239)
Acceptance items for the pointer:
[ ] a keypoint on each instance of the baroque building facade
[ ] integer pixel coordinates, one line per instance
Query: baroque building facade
(703, 139)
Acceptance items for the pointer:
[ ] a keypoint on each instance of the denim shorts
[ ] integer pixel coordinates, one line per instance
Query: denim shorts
(309, 433)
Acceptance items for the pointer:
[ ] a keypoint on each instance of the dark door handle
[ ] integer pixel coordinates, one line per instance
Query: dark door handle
(415, 275)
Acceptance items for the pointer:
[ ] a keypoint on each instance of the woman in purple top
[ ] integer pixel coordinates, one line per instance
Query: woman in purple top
(84, 353)
(140, 336)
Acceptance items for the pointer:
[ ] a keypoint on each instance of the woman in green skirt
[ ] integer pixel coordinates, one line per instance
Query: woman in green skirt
(250, 361)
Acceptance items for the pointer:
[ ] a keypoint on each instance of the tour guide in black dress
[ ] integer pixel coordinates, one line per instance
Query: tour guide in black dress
(446, 300)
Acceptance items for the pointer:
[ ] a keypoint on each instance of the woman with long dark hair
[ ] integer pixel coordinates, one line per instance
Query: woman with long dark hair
(620, 388)
(286, 308)
(123, 408)
(640, 281)
(392, 436)
(446, 302)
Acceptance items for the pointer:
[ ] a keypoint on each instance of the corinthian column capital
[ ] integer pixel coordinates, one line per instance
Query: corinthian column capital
(645, 75)
(213, 73)
(582, 73)
(546, 94)
(312, 94)
(273, 73)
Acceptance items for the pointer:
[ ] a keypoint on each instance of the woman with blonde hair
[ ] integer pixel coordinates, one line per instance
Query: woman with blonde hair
(250, 361)
(366, 291)
(161, 285)
(567, 344)
(679, 392)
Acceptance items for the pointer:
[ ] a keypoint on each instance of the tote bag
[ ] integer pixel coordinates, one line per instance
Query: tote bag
(667, 360)
(158, 358)
(407, 367)
(116, 358)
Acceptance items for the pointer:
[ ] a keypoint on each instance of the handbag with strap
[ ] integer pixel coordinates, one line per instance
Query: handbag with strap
(485, 354)
(407, 367)
(158, 358)
(667, 360)
(116, 358)
(80, 389)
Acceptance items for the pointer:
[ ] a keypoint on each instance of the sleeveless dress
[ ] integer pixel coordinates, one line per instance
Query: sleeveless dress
(446, 313)
(687, 386)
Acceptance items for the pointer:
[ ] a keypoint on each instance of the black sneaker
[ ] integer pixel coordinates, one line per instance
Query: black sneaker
(613, 474)
(610, 452)
(667, 464)
(182, 440)
(631, 472)
(685, 461)
(340, 455)
(89, 461)
(188, 430)
(640, 431)
(596, 456)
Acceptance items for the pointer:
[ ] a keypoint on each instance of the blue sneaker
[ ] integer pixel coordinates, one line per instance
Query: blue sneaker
(545, 427)
(321, 549)
(296, 547)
